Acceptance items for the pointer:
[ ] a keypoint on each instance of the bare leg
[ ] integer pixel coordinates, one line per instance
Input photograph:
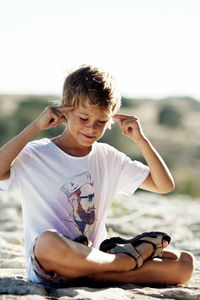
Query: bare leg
(67, 258)
(174, 270)
(73, 260)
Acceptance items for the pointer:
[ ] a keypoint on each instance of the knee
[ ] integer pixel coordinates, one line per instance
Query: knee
(186, 267)
(46, 245)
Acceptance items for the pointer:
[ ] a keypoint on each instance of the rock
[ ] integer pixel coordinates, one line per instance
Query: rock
(14, 282)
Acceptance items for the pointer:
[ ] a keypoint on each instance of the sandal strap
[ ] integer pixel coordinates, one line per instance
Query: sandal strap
(156, 243)
(82, 239)
(120, 245)
(135, 254)
(129, 250)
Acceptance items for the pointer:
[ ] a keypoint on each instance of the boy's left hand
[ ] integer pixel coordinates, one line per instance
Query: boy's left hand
(130, 126)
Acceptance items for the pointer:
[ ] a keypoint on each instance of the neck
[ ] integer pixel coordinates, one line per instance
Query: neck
(68, 146)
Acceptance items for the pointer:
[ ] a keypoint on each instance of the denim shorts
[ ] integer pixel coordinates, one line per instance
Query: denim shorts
(52, 279)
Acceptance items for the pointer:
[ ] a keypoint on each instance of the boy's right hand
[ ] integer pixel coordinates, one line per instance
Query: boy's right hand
(52, 117)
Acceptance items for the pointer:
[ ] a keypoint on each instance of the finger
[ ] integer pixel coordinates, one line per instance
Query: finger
(55, 111)
(122, 126)
(63, 109)
(126, 123)
(57, 122)
(60, 109)
(119, 116)
(122, 116)
(55, 116)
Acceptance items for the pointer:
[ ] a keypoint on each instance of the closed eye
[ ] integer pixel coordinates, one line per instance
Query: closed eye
(102, 122)
(83, 119)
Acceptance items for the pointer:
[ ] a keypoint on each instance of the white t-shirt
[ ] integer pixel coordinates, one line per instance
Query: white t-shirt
(70, 194)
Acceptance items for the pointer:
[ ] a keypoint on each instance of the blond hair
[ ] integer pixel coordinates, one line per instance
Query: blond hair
(91, 83)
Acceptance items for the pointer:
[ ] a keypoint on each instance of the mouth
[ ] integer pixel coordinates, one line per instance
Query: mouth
(88, 136)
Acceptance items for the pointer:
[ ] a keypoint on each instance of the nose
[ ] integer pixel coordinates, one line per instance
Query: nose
(91, 126)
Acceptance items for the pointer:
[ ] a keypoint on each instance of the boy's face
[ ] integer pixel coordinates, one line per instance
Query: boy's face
(87, 123)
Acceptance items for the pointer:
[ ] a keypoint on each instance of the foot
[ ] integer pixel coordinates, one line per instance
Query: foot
(146, 249)
(143, 246)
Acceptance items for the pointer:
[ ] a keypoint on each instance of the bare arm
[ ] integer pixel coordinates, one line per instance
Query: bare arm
(50, 117)
(160, 179)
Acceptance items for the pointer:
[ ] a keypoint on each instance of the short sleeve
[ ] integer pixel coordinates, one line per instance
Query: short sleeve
(16, 171)
(132, 174)
(9, 184)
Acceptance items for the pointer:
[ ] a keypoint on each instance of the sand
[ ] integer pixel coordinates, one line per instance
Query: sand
(177, 215)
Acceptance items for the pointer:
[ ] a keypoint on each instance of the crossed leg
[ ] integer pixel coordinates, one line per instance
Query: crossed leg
(177, 269)
(73, 260)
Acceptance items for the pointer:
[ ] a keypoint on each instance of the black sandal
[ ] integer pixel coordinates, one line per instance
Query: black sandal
(82, 239)
(119, 245)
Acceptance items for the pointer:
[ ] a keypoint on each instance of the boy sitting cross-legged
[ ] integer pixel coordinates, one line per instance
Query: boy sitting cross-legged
(68, 183)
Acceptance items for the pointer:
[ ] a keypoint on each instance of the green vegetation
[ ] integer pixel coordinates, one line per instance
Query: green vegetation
(188, 186)
(177, 141)
(169, 115)
(27, 110)
(129, 103)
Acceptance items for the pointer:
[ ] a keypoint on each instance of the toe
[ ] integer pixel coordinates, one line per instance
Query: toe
(165, 244)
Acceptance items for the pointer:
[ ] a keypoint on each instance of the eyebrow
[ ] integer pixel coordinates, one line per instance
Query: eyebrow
(82, 113)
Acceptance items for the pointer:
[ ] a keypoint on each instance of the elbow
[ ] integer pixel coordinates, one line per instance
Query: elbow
(168, 188)
(171, 186)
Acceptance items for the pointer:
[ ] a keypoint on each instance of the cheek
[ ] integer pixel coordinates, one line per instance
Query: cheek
(102, 129)
(69, 125)
(73, 123)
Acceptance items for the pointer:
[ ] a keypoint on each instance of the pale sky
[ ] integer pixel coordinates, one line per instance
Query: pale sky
(152, 47)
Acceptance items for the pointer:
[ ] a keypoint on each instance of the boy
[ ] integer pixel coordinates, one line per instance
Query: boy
(67, 186)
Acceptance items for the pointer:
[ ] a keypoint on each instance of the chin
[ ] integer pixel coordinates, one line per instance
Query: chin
(87, 144)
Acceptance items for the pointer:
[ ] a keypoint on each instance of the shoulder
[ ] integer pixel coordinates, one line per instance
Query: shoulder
(105, 148)
(109, 151)
(33, 147)
(38, 144)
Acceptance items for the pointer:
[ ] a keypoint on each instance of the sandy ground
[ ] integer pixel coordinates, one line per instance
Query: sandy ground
(179, 216)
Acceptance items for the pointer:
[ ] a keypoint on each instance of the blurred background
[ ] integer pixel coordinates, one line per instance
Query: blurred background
(151, 47)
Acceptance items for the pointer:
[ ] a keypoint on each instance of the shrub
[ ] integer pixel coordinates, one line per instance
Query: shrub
(169, 115)
(188, 186)
(129, 103)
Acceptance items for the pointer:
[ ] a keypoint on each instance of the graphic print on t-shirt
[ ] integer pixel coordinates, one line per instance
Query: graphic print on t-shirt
(79, 190)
